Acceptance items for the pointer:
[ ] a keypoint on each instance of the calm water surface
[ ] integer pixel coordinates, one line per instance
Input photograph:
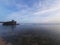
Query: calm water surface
(32, 34)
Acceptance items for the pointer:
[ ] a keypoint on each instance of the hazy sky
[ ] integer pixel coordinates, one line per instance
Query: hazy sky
(30, 11)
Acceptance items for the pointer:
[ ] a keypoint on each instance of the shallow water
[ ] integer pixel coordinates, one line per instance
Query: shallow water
(31, 34)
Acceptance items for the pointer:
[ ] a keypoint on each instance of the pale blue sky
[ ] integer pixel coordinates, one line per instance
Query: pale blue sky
(30, 11)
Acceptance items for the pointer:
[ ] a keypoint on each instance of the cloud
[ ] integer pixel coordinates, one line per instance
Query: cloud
(46, 11)
(41, 11)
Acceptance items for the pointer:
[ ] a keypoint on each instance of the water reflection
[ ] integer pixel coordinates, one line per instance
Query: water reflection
(7, 30)
(31, 34)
